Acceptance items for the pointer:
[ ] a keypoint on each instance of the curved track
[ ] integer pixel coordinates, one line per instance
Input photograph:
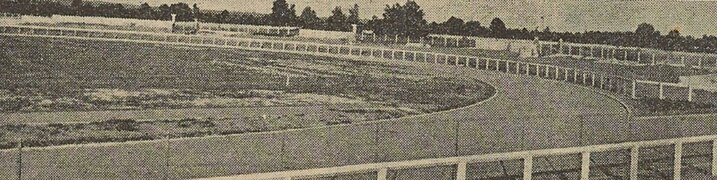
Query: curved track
(527, 113)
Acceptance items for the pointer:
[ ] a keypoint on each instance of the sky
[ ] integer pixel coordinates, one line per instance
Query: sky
(691, 17)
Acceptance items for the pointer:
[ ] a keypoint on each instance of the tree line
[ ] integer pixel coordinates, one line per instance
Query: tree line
(406, 20)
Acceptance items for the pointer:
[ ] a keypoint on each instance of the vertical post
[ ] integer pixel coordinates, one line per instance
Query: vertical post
(634, 157)
(517, 67)
(689, 93)
(602, 82)
(461, 171)
(585, 78)
(653, 59)
(591, 52)
(497, 65)
(662, 89)
(638, 56)
(625, 59)
(714, 157)
(528, 168)
(566, 74)
(602, 52)
(527, 69)
(585, 166)
(575, 76)
(557, 74)
(682, 60)
(19, 160)
(678, 162)
(592, 76)
(382, 174)
(487, 61)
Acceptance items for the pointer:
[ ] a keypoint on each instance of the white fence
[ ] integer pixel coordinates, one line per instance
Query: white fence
(633, 55)
(621, 85)
(527, 156)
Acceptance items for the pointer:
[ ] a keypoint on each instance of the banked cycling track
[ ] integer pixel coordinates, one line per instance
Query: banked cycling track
(526, 113)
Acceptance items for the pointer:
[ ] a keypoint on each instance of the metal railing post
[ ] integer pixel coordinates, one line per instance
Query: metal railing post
(677, 169)
(461, 171)
(634, 158)
(382, 174)
(689, 93)
(585, 166)
(528, 168)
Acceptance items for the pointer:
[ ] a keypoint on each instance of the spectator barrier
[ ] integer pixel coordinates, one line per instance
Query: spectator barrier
(630, 55)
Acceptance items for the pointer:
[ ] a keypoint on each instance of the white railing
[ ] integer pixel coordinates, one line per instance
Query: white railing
(527, 156)
(633, 55)
(621, 85)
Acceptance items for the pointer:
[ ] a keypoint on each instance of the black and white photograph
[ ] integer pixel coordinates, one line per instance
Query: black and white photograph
(358, 89)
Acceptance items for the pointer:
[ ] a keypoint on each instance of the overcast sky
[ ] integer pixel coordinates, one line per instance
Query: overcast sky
(690, 17)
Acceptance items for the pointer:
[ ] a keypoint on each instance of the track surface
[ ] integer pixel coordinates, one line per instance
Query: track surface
(526, 113)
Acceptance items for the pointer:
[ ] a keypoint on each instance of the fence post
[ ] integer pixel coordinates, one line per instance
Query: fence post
(625, 59)
(662, 89)
(566, 74)
(634, 158)
(602, 52)
(592, 76)
(527, 69)
(19, 160)
(585, 78)
(461, 171)
(689, 93)
(575, 76)
(382, 174)
(682, 60)
(602, 81)
(638, 56)
(528, 168)
(497, 65)
(425, 58)
(634, 89)
(591, 52)
(517, 67)
(677, 170)
(653, 59)
(585, 166)
(557, 74)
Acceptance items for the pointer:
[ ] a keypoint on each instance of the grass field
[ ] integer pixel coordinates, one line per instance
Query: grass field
(53, 75)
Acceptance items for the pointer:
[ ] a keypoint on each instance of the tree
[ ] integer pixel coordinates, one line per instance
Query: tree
(282, 14)
(195, 11)
(474, 28)
(184, 13)
(309, 19)
(76, 6)
(337, 20)
(164, 12)
(145, 12)
(354, 15)
(497, 28)
(454, 26)
(406, 20)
